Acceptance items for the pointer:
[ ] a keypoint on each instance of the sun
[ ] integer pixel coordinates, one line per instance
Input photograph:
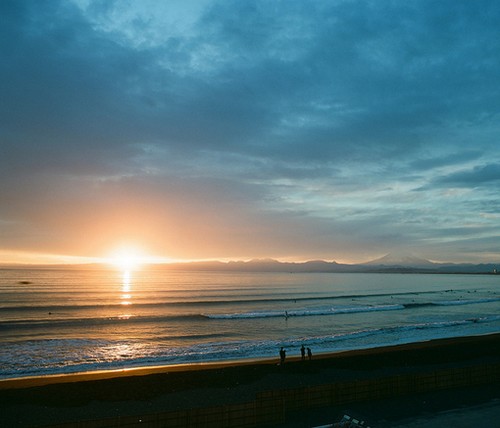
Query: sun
(127, 259)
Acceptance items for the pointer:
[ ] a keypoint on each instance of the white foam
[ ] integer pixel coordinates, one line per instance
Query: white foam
(307, 312)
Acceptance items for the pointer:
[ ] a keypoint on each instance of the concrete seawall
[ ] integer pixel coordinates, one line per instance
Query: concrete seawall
(272, 407)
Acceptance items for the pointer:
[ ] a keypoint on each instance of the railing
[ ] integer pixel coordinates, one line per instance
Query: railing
(272, 407)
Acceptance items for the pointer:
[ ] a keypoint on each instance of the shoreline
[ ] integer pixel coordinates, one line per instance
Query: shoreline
(142, 393)
(105, 374)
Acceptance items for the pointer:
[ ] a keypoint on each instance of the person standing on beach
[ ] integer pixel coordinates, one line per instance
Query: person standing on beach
(282, 356)
(309, 354)
(303, 352)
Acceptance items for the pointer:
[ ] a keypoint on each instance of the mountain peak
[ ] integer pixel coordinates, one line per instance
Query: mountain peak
(401, 259)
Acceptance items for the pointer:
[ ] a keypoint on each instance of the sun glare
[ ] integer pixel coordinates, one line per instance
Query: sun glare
(132, 258)
(127, 259)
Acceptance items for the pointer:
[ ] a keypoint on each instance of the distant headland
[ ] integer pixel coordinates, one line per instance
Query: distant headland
(390, 263)
(386, 264)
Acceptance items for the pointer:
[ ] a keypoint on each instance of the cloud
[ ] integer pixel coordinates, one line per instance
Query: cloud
(284, 128)
(479, 176)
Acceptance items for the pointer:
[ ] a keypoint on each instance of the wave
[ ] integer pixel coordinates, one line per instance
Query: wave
(388, 335)
(212, 301)
(458, 302)
(467, 302)
(410, 332)
(337, 310)
(62, 320)
(306, 312)
(49, 356)
(94, 321)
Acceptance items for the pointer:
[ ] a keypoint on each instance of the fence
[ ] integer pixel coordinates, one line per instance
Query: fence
(272, 407)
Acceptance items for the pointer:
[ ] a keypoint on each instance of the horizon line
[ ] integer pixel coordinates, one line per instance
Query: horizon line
(231, 261)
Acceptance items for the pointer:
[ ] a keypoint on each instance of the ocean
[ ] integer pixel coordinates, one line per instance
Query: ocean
(68, 320)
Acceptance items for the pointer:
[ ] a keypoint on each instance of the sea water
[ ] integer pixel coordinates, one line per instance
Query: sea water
(72, 320)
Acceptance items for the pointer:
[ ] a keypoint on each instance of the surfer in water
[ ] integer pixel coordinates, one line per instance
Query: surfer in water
(286, 315)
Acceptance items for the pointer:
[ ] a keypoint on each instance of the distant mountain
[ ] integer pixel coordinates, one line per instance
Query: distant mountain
(401, 260)
(491, 268)
(390, 263)
(265, 265)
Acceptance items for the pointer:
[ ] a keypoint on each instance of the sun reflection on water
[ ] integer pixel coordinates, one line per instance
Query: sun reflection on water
(126, 288)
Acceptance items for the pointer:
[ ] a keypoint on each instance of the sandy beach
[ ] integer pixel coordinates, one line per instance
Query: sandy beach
(52, 400)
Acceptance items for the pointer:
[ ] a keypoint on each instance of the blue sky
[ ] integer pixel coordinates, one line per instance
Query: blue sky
(340, 130)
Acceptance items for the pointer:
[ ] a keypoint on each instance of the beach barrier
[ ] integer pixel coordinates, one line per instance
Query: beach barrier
(272, 407)
(381, 388)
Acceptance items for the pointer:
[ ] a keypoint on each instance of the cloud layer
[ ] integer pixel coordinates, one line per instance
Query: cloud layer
(204, 129)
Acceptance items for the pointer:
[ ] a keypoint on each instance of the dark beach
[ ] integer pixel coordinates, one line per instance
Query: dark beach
(133, 397)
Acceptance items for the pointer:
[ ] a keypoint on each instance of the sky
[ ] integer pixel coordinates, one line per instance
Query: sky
(296, 130)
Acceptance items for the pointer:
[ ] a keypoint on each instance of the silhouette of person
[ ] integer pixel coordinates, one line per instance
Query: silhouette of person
(282, 356)
(309, 354)
(303, 352)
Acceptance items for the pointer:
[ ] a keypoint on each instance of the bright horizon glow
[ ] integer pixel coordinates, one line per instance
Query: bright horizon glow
(33, 258)
(119, 258)
(126, 259)
(122, 258)
(130, 258)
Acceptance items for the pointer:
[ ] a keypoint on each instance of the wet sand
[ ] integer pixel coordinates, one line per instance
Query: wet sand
(50, 400)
